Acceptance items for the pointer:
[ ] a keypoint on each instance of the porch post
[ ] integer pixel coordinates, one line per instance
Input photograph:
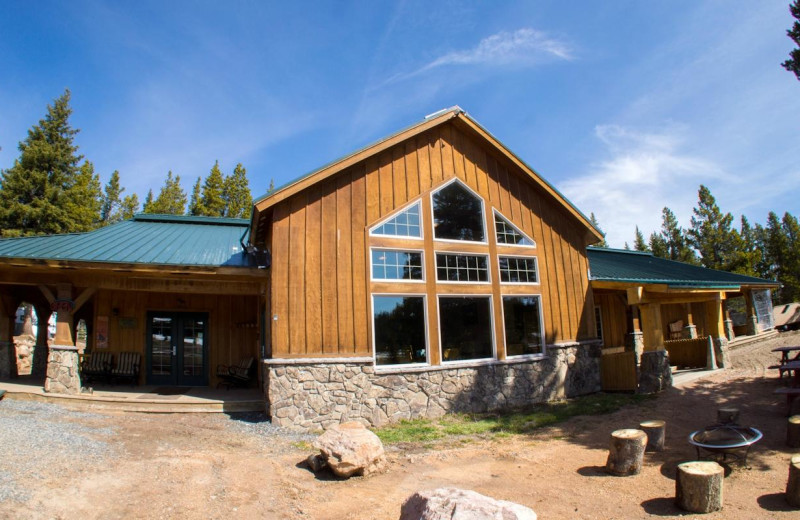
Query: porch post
(8, 357)
(728, 322)
(655, 374)
(716, 330)
(62, 361)
(752, 319)
(635, 337)
(690, 330)
(652, 327)
(40, 353)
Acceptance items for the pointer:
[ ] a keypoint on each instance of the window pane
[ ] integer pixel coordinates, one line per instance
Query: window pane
(405, 224)
(518, 269)
(457, 214)
(454, 267)
(399, 330)
(396, 265)
(508, 234)
(466, 328)
(522, 325)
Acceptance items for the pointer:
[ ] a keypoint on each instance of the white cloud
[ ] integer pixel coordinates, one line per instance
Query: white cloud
(645, 172)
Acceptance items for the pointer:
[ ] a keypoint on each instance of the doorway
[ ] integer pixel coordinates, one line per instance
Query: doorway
(177, 352)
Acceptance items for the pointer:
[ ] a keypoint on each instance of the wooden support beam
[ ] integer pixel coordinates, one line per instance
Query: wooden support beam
(652, 327)
(715, 320)
(635, 294)
(687, 309)
(83, 298)
(48, 294)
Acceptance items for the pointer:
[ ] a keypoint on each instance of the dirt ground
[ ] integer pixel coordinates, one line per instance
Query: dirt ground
(206, 466)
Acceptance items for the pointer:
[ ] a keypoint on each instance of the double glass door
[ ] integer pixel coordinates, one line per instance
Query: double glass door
(177, 353)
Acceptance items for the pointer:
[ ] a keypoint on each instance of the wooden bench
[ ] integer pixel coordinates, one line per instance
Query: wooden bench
(790, 392)
(127, 367)
(236, 375)
(96, 365)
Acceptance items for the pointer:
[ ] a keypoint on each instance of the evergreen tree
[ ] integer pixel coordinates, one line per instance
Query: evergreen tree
(148, 202)
(746, 256)
(639, 243)
(627, 247)
(592, 218)
(658, 245)
(171, 199)
(33, 191)
(83, 200)
(195, 202)
(675, 239)
(793, 63)
(129, 206)
(213, 200)
(110, 211)
(271, 188)
(711, 233)
(790, 268)
(238, 199)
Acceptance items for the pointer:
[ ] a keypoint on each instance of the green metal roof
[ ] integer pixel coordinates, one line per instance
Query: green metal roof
(144, 239)
(618, 265)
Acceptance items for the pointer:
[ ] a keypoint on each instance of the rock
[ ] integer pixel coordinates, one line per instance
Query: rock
(316, 462)
(461, 504)
(351, 449)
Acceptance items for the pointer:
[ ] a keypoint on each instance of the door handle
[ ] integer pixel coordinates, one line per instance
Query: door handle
(174, 351)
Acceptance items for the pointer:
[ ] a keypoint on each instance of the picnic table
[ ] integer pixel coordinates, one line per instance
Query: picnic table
(785, 351)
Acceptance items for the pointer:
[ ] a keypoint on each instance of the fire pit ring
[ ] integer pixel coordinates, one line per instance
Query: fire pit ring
(726, 439)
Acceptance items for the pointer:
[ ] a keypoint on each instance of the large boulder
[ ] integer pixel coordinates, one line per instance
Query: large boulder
(461, 504)
(349, 449)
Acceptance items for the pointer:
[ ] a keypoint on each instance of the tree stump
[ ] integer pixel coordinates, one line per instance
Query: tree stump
(656, 431)
(698, 486)
(793, 432)
(793, 486)
(728, 416)
(626, 452)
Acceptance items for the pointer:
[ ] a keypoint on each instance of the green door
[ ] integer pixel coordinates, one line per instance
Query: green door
(177, 352)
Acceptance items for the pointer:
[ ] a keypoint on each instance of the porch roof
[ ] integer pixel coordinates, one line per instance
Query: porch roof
(636, 267)
(144, 239)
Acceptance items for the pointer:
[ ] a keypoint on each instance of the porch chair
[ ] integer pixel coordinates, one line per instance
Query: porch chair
(236, 375)
(676, 330)
(96, 365)
(127, 367)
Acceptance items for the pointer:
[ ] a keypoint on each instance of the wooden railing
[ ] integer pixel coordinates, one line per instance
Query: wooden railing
(618, 372)
(687, 353)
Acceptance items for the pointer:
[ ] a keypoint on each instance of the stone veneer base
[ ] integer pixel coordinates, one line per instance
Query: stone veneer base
(62, 370)
(315, 394)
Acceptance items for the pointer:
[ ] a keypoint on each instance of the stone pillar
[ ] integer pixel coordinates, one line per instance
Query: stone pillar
(62, 370)
(721, 352)
(655, 373)
(752, 320)
(690, 331)
(729, 330)
(8, 361)
(8, 365)
(40, 352)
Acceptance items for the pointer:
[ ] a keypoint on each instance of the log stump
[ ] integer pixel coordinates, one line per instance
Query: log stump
(793, 486)
(698, 486)
(656, 431)
(793, 432)
(728, 416)
(626, 452)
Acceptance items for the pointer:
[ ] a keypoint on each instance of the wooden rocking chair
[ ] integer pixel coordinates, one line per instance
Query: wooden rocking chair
(236, 375)
(676, 330)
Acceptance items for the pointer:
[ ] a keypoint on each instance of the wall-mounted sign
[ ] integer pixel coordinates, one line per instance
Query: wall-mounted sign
(62, 305)
(102, 332)
(126, 323)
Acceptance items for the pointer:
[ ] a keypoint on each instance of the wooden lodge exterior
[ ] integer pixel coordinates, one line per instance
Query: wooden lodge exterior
(432, 271)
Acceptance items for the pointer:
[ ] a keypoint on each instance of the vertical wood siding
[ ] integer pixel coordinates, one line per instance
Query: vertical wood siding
(320, 288)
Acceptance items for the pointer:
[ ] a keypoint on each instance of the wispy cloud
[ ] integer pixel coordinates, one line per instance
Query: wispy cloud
(524, 47)
(645, 171)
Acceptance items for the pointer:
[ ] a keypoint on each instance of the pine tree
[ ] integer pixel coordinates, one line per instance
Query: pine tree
(212, 200)
(32, 191)
(171, 199)
(129, 206)
(271, 188)
(746, 256)
(658, 245)
(639, 243)
(793, 63)
(110, 212)
(592, 219)
(711, 233)
(238, 199)
(790, 269)
(83, 200)
(148, 202)
(675, 239)
(195, 202)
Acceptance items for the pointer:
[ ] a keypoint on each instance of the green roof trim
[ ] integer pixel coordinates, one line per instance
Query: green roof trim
(172, 240)
(621, 265)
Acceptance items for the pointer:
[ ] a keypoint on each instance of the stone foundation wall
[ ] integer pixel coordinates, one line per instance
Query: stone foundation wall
(62, 370)
(315, 394)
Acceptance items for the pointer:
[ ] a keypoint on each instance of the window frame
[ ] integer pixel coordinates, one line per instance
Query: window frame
(397, 212)
(379, 367)
(526, 257)
(459, 282)
(401, 250)
(543, 353)
(495, 211)
(485, 240)
(492, 334)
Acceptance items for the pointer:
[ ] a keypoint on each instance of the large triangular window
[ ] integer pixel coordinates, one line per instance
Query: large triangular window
(458, 214)
(404, 224)
(509, 234)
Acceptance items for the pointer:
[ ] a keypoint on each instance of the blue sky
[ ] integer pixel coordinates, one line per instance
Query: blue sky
(626, 107)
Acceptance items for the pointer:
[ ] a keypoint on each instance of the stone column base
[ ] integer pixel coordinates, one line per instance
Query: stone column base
(729, 330)
(655, 373)
(721, 352)
(752, 325)
(690, 332)
(62, 370)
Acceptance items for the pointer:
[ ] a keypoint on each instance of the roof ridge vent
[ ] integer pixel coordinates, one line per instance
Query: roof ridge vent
(454, 108)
